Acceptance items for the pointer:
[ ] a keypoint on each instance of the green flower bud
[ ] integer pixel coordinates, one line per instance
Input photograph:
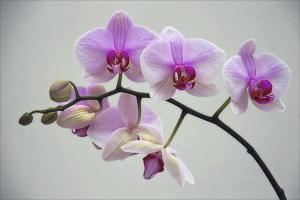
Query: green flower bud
(49, 118)
(25, 119)
(60, 91)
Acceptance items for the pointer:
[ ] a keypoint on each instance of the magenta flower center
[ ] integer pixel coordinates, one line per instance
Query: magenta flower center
(117, 61)
(153, 164)
(260, 91)
(183, 77)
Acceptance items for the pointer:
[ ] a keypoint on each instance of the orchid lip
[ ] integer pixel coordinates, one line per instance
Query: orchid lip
(153, 164)
(183, 77)
(260, 90)
(118, 61)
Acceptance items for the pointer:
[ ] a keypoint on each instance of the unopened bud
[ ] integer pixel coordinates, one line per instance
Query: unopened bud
(25, 119)
(49, 118)
(60, 91)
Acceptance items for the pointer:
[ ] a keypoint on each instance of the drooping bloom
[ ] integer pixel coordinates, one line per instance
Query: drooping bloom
(157, 158)
(116, 126)
(266, 77)
(175, 63)
(105, 52)
(79, 116)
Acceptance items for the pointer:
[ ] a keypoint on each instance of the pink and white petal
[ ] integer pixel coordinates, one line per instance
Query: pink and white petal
(103, 126)
(241, 105)
(188, 176)
(176, 41)
(141, 146)
(203, 90)
(150, 134)
(75, 117)
(112, 150)
(100, 78)
(96, 90)
(173, 167)
(119, 24)
(134, 74)
(163, 90)
(138, 38)
(236, 77)
(206, 58)
(246, 52)
(91, 49)
(273, 69)
(157, 62)
(81, 91)
(150, 117)
(127, 109)
(171, 151)
(276, 106)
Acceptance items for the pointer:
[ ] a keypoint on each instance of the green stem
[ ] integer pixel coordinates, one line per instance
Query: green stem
(75, 89)
(99, 109)
(139, 104)
(183, 113)
(223, 106)
(119, 81)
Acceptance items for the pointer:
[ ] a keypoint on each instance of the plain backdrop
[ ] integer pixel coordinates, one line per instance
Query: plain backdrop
(48, 162)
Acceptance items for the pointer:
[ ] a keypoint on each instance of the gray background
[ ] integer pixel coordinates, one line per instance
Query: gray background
(42, 162)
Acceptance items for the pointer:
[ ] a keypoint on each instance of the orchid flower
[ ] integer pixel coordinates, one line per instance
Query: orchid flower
(105, 52)
(80, 115)
(266, 77)
(115, 127)
(175, 63)
(157, 157)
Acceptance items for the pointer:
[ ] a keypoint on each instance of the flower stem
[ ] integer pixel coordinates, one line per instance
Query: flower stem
(99, 109)
(183, 113)
(75, 89)
(223, 106)
(139, 104)
(119, 82)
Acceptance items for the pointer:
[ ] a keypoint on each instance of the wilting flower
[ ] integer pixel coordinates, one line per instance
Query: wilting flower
(175, 63)
(79, 116)
(157, 158)
(104, 52)
(266, 77)
(116, 126)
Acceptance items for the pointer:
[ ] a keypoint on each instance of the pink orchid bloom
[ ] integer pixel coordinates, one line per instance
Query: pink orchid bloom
(104, 52)
(266, 77)
(115, 127)
(175, 63)
(157, 158)
(80, 115)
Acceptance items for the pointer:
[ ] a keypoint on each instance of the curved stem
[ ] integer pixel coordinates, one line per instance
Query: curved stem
(223, 106)
(76, 91)
(119, 81)
(99, 109)
(183, 113)
(139, 104)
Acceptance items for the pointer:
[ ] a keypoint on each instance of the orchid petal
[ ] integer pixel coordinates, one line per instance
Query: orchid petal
(138, 38)
(236, 77)
(91, 49)
(81, 132)
(157, 62)
(151, 118)
(119, 24)
(94, 78)
(188, 176)
(276, 71)
(96, 90)
(75, 117)
(112, 150)
(150, 134)
(203, 90)
(153, 164)
(127, 109)
(173, 167)
(103, 126)
(276, 106)
(206, 58)
(163, 90)
(134, 74)
(241, 105)
(176, 41)
(246, 52)
(141, 146)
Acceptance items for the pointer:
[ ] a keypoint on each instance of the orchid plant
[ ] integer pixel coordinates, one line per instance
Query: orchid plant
(168, 62)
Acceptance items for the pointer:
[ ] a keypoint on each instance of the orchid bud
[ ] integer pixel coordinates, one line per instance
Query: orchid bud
(25, 119)
(49, 118)
(60, 91)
